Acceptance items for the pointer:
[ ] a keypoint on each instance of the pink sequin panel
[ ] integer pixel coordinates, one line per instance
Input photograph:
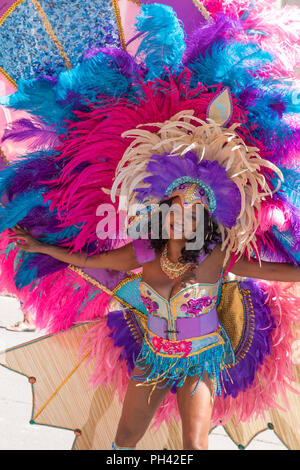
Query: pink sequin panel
(170, 347)
(194, 307)
(150, 305)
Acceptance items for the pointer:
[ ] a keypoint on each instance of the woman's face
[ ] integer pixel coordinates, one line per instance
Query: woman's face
(180, 223)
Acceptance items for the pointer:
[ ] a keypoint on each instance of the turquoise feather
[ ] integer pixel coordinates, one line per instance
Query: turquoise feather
(18, 208)
(162, 42)
(237, 65)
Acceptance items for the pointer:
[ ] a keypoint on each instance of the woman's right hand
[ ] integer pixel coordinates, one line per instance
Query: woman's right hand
(120, 259)
(25, 241)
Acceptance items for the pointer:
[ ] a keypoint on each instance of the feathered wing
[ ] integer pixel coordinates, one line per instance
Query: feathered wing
(74, 135)
(86, 119)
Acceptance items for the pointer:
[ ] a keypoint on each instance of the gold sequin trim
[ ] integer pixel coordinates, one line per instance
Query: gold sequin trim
(9, 11)
(190, 192)
(50, 32)
(249, 329)
(89, 279)
(119, 23)
(133, 327)
(8, 77)
(202, 9)
(125, 281)
(4, 157)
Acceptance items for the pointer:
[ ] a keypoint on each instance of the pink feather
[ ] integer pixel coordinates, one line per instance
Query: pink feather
(281, 28)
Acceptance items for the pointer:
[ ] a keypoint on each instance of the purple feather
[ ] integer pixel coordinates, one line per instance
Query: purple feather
(30, 174)
(279, 107)
(45, 265)
(123, 337)
(221, 29)
(49, 78)
(242, 374)
(276, 254)
(248, 97)
(40, 221)
(41, 136)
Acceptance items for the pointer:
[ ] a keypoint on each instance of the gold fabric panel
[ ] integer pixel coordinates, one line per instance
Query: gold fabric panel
(231, 312)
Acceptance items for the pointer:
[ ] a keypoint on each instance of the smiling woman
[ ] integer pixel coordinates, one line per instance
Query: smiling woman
(193, 223)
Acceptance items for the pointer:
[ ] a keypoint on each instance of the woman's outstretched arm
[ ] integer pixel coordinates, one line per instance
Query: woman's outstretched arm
(120, 259)
(268, 271)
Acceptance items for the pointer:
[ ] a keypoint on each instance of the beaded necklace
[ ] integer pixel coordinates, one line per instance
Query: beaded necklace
(172, 270)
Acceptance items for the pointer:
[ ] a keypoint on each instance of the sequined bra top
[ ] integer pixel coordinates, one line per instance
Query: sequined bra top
(191, 312)
(191, 302)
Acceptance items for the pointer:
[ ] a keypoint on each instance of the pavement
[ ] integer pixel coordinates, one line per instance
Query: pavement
(16, 402)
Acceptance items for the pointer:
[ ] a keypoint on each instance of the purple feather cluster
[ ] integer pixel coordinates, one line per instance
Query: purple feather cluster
(222, 29)
(35, 132)
(226, 192)
(243, 373)
(123, 338)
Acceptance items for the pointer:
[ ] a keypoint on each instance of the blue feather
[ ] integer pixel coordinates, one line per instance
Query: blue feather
(18, 208)
(27, 172)
(25, 275)
(228, 63)
(163, 39)
(236, 64)
(290, 186)
(38, 97)
(67, 233)
(109, 71)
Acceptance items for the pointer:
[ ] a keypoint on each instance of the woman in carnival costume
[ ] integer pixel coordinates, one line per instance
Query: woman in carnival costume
(210, 125)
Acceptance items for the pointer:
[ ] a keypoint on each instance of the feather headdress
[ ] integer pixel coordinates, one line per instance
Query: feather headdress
(176, 138)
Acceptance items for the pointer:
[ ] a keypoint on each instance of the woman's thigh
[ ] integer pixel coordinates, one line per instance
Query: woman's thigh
(195, 411)
(139, 406)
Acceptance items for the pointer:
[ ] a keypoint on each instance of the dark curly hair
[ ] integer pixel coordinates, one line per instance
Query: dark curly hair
(211, 236)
